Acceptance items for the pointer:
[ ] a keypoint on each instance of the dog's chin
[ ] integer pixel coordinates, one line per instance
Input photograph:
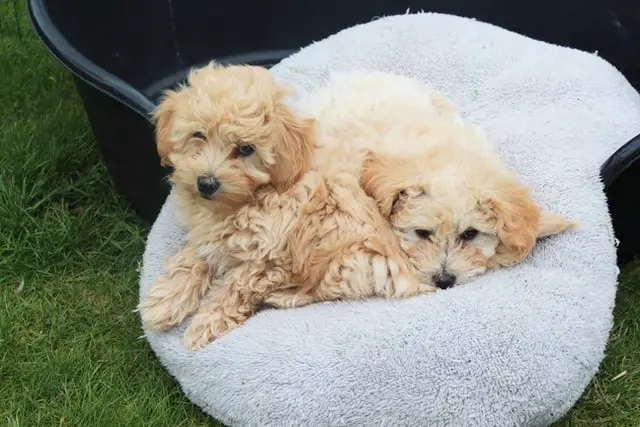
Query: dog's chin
(209, 197)
(225, 202)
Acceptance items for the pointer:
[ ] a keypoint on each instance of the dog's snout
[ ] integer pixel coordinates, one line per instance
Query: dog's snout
(444, 280)
(208, 186)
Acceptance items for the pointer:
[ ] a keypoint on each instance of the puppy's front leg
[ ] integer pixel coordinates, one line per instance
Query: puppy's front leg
(231, 302)
(404, 283)
(176, 295)
(291, 298)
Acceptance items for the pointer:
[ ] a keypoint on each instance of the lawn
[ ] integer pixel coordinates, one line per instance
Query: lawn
(70, 353)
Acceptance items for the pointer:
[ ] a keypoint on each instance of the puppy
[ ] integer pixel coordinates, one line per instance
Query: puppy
(256, 227)
(457, 212)
(453, 204)
(226, 133)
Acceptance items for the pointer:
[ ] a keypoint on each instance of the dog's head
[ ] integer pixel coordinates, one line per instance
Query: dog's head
(228, 131)
(457, 214)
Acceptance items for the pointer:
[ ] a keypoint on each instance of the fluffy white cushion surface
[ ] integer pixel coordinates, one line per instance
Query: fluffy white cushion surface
(515, 347)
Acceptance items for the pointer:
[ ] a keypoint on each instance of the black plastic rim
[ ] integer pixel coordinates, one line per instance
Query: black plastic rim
(263, 58)
(107, 83)
(620, 161)
(116, 88)
(83, 68)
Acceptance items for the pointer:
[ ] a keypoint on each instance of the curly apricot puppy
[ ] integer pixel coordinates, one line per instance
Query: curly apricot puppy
(457, 210)
(226, 133)
(453, 203)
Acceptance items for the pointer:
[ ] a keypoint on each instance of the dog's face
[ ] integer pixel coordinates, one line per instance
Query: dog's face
(227, 132)
(456, 216)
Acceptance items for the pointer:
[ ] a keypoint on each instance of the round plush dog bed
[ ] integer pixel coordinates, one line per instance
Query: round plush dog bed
(518, 346)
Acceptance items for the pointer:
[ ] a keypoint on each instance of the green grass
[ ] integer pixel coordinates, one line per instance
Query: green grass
(69, 252)
(70, 248)
(613, 397)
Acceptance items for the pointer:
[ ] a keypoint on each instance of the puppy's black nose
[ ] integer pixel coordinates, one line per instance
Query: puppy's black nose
(444, 280)
(207, 186)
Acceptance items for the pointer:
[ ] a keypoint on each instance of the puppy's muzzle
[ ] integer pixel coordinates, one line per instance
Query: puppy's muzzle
(208, 186)
(444, 280)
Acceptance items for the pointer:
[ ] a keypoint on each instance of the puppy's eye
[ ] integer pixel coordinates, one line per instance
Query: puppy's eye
(244, 150)
(199, 135)
(469, 234)
(423, 234)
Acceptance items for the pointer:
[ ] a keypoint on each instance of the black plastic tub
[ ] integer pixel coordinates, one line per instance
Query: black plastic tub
(123, 53)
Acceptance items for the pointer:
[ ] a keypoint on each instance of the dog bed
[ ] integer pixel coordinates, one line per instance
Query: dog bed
(518, 346)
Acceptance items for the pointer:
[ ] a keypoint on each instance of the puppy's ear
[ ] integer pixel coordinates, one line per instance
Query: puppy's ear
(551, 223)
(295, 142)
(385, 178)
(163, 118)
(517, 218)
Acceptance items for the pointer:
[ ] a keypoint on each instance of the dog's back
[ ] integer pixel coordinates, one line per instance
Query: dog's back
(363, 110)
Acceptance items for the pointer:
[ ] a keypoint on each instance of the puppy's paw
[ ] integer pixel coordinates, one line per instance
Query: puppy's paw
(289, 299)
(166, 305)
(207, 327)
(404, 286)
(425, 288)
(406, 283)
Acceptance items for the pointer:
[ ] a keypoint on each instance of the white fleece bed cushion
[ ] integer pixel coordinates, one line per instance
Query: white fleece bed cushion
(515, 347)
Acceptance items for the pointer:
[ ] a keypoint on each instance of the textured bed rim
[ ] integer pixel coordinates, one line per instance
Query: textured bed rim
(624, 158)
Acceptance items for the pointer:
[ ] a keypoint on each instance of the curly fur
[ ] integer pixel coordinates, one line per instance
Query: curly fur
(298, 247)
(199, 129)
(271, 235)
(433, 176)
(364, 221)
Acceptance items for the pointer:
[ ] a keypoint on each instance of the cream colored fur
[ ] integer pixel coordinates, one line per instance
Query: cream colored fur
(400, 193)
(452, 202)
(266, 235)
